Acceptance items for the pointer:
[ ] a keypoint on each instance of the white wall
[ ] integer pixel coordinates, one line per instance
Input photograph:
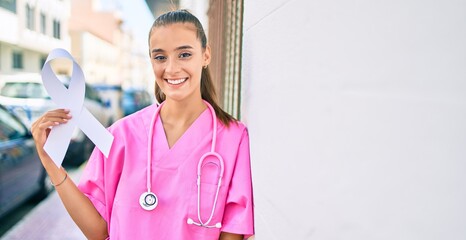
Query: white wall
(357, 117)
(9, 31)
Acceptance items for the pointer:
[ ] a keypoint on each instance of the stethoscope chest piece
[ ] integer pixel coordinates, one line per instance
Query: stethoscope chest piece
(148, 201)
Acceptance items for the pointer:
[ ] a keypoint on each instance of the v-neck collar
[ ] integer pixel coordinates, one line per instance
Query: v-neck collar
(196, 124)
(200, 129)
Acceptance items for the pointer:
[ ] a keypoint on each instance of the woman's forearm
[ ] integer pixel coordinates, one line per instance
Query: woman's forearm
(80, 208)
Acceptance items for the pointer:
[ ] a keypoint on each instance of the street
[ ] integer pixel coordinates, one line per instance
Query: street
(47, 220)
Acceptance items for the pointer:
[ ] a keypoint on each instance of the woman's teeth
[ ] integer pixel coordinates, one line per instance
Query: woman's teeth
(176, 81)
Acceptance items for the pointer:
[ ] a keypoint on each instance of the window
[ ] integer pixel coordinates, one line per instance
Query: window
(17, 60)
(8, 5)
(10, 128)
(43, 23)
(56, 29)
(24, 90)
(29, 17)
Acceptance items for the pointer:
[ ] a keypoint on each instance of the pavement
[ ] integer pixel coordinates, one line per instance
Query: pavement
(48, 220)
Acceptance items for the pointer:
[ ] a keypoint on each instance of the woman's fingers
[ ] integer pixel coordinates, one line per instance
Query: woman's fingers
(41, 127)
(50, 119)
(57, 114)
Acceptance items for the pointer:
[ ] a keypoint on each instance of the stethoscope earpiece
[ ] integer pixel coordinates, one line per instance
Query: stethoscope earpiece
(192, 222)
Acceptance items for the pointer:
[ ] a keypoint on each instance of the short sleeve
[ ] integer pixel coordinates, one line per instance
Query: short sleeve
(91, 182)
(239, 213)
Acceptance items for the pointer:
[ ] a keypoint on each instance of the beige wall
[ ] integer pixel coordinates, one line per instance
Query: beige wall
(107, 54)
(85, 17)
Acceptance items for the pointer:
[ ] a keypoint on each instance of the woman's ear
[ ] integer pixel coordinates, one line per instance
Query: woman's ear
(207, 56)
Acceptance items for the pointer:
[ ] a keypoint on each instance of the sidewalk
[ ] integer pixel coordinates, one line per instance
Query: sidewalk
(47, 221)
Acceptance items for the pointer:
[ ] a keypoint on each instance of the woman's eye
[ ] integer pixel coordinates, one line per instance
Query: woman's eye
(185, 55)
(159, 58)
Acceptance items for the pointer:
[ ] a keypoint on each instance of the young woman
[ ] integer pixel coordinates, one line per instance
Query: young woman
(180, 170)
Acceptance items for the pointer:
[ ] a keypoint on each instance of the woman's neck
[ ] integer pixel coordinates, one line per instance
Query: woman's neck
(181, 113)
(177, 117)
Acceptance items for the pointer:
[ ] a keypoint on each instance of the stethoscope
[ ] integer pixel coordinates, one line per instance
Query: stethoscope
(148, 200)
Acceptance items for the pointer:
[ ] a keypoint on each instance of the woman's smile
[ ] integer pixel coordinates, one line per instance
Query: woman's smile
(176, 81)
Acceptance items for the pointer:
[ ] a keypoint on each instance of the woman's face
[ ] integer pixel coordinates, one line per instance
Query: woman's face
(177, 59)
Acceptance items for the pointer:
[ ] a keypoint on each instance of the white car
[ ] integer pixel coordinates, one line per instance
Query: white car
(25, 95)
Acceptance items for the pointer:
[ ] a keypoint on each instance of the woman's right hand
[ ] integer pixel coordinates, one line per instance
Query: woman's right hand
(80, 208)
(41, 127)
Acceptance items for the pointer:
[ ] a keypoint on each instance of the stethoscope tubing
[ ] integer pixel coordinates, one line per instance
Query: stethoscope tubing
(149, 151)
(199, 167)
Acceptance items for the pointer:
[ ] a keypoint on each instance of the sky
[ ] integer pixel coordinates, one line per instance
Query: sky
(137, 17)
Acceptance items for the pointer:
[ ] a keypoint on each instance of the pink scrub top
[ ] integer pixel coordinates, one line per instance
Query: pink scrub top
(114, 184)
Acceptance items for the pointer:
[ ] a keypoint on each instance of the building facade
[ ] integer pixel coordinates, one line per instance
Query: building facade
(94, 36)
(30, 30)
(96, 41)
(106, 52)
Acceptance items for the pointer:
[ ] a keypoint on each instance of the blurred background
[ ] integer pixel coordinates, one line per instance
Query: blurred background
(356, 110)
(109, 40)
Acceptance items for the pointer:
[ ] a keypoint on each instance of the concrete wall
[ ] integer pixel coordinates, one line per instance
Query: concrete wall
(357, 117)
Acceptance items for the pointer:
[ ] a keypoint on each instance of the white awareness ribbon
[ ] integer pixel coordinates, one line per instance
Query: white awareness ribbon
(71, 98)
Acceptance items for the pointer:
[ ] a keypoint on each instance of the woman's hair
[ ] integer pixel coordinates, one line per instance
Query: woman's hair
(207, 85)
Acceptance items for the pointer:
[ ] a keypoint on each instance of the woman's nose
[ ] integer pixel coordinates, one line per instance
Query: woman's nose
(172, 66)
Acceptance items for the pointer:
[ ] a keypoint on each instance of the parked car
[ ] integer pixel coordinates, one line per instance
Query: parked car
(134, 100)
(25, 95)
(21, 173)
